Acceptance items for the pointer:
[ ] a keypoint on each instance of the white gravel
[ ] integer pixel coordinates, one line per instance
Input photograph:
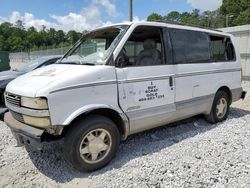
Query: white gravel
(190, 153)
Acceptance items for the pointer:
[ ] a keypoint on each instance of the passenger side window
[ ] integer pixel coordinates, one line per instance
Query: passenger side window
(190, 46)
(143, 48)
(222, 49)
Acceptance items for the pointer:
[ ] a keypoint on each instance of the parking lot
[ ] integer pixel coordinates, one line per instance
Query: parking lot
(191, 153)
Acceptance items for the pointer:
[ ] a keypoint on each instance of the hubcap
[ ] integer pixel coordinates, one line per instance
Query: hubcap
(221, 108)
(95, 146)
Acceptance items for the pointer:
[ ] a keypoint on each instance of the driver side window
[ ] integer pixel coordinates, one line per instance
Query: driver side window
(144, 48)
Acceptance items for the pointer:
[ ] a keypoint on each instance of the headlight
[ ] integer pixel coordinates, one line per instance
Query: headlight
(42, 122)
(35, 103)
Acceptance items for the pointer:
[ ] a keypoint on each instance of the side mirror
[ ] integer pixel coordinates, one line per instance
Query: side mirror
(122, 60)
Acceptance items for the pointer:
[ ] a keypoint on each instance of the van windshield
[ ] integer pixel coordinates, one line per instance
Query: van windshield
(95, 47)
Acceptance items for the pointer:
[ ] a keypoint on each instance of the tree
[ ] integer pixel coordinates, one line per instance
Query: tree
(33, 38)
(238, 9)
(51, 37)
(2, 42)
(243, 18)
(155, 17)
(17, 38)
(238, 12)
(6, 29)
(73, 36)
(173, 16)
(20, 25)
(16, 43)
(60, 37)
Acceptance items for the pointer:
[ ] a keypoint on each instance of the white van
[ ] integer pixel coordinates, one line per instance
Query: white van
(120, 80)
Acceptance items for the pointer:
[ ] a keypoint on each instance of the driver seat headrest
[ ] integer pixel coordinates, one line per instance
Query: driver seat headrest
(149, 44)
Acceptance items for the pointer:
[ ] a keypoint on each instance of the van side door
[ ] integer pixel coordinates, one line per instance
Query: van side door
(194, 81)
(146, 79)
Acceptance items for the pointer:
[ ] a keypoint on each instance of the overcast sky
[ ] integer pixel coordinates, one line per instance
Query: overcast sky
(88, 14)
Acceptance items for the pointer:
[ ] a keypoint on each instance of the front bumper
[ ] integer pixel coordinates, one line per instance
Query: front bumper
(24, 134)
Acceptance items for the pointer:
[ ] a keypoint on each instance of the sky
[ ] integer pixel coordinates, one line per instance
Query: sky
(82, 15)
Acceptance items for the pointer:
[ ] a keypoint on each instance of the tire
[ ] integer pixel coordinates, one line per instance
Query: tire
(218, 112)
(99, 140)
(2, 102)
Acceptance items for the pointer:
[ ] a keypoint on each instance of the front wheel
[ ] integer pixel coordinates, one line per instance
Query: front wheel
(91, 143)
(220, 108)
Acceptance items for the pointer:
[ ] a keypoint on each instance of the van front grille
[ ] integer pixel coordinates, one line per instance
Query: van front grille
(17, 116)
(13, 99)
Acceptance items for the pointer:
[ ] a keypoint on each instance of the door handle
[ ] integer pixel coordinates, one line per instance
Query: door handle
(171, 82)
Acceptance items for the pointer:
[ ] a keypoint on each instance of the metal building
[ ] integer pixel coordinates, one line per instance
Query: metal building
(242, 34)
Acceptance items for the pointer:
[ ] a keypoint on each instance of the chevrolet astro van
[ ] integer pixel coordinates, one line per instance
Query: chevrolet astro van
(120, 80)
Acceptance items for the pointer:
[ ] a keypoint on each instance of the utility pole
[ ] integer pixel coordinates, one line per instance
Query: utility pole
(131, 10)
(227, 19)
(208, 20)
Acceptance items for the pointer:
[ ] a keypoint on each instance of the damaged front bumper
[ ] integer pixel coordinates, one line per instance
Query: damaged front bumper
(24, 134)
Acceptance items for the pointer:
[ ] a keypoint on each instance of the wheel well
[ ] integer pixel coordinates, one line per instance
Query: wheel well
(228, 91)
(109, 113)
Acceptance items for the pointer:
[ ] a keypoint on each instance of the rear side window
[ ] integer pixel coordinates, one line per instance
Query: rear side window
(222, 49)
(190, 46)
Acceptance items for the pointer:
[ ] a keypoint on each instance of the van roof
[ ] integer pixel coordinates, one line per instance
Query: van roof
(176, 26)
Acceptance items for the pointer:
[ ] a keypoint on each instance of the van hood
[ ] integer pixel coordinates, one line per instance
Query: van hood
(44, 81)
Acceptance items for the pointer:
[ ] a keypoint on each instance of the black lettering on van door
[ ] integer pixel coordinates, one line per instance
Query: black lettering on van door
(151, 93)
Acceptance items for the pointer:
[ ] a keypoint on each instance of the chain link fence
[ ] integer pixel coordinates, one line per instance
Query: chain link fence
(23, 57)
(18, 58)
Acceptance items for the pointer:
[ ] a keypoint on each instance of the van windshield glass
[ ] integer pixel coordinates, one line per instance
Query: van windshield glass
(95, 47)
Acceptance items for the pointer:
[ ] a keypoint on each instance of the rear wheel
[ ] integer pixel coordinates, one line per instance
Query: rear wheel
(91, 143)
(220, 108)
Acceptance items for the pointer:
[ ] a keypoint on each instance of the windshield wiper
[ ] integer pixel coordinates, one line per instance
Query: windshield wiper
(70, 62)
(85, 63)
(76, 63)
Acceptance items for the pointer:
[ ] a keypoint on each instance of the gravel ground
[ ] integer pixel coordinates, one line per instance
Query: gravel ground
(189, 153)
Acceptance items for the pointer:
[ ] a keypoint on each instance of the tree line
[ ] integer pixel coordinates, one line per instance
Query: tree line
(15, 38)
(231, 13)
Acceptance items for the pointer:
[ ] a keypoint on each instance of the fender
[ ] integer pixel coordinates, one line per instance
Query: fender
(222, 84)
(92, 107)
(4, 83)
